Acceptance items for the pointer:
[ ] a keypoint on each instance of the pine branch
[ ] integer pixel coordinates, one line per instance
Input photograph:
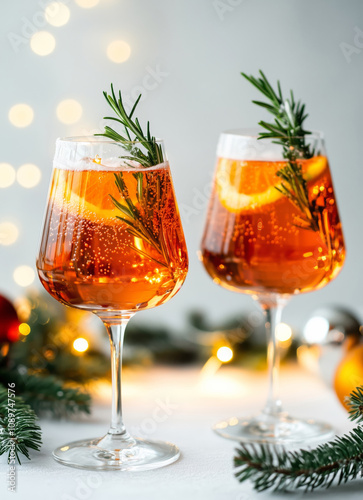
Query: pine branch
(339, 460)
(355, 403)
(288, 130)
(19, 432)
(46, 395)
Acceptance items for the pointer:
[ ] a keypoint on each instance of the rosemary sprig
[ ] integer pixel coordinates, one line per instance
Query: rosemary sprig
(288, 130)
(154, 152)
(339, 460)
(143, 222)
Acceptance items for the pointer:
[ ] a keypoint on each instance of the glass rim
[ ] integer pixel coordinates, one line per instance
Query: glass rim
(253, 133)
(89, 139)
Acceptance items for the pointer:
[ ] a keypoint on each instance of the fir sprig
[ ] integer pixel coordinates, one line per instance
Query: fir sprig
(337, 461)
(47, 395)
(288, 130)
(355, 403)
(140, 222)
(21, 435)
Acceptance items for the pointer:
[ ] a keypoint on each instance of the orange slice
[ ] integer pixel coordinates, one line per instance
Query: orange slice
(86, 193)
(246, 185)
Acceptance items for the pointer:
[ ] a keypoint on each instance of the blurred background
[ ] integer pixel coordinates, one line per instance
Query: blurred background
(185, 58)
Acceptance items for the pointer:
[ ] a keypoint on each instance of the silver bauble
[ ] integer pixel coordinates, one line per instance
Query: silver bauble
(335, 330)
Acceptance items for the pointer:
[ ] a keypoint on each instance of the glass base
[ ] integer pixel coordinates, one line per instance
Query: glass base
(274, 429)
(114, 453)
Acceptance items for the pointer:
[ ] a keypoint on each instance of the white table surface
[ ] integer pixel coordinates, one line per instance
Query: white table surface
(205, 469)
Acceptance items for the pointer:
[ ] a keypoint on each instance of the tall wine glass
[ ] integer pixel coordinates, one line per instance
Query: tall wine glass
(112, 244)
(258, 241)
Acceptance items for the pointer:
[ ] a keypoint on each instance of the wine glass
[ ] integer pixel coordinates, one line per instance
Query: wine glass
(112, 244)
(258, 240)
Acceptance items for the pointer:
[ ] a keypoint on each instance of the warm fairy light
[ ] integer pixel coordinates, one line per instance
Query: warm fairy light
(224, 354)
(69, 111)
(57, 14)
(118, 51)
(24, 276)
(80, 345)
(28, 175)
(24, 329)
(7, 175)
(316, 330)
(283, 332)
(42, 43)
(21, 115)
(87, 4)
(8, 233)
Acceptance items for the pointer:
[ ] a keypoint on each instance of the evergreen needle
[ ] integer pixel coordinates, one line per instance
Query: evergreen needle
(337, 461)
(19, 431)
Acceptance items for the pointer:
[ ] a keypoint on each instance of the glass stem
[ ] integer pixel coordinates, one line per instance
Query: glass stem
(116, 329)
(273, 311)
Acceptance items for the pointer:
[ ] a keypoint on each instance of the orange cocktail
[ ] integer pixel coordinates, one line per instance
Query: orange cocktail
(272, 231)
(92, 259)
(255, 239)
(113, 244)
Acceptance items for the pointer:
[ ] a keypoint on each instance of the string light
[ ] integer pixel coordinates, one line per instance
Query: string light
(28, 175)
(80, 344)
(283, 332)
(87, 4)
(69, 111)
(118, 51)
(42, 43)
(224, 354)
(24, 276)
(57, 14)
(7, 175)
(24, 329)
(21, 115)
(8, 233)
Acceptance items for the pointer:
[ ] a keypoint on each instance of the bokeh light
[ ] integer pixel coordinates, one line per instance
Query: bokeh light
(69, 111)
(316, 330)
(42, 43)
(8, 233)
(225, 354)
(7, 175)
(24, 275)
(118, 51)
(24, 329)
(28, 175)
(57, 14)
(21, 115)
(283, 332)
(80, 345)
(87, 4)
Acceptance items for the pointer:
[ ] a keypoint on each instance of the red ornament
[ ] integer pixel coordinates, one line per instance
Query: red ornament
(9, 322)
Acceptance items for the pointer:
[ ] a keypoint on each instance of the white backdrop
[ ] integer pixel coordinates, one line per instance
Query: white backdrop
(186, 57)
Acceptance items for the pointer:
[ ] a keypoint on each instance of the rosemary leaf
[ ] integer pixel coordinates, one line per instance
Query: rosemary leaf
(287, 130)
